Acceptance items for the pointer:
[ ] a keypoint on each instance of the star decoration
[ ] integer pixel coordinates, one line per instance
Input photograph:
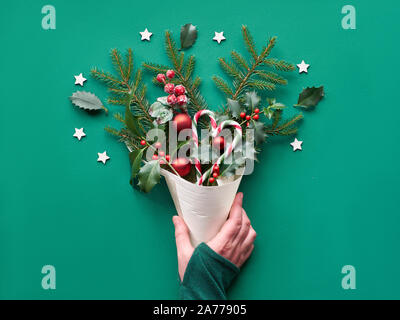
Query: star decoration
(80, 79)
(146, 35)
(303, 67)
(79, 134)
(103, 157)
(219, 36)
(296, 144)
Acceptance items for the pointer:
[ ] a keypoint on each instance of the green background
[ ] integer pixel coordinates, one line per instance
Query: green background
(333, 204)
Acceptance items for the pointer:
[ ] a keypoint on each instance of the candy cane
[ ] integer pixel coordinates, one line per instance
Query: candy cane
(228, 151)
(195, 137)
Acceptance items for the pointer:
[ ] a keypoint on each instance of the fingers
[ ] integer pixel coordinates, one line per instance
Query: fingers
(182, 236)
(236, 210)
(249, 240)
(245, 228)
(234, 223)
(246, 254)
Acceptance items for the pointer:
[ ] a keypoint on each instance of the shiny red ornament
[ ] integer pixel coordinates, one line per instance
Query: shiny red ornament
(219, 143)
(182, 166)
(182, 121)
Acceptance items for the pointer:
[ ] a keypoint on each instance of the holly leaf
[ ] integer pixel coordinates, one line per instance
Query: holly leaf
(234, 107)
(252, 99)
(259, 134)
(131, 122)
(310, 97)
(87, 101)
(149, 175)
(188, 36)
(135, 158)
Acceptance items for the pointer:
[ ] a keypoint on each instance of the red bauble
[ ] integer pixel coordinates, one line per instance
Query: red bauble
(169, 88)
(182, 166)
(180, 90)
(182, 121)
(219, 143)
(171, 99)
(170, 74)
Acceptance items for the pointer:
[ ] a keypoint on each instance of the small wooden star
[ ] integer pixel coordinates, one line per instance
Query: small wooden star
(296, 144)
(80, 79)
(146, 35)
(103, 157)
(303, 67)
(79, 134)
(219, 36)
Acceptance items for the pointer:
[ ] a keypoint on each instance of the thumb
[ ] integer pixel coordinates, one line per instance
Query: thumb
(182, 236)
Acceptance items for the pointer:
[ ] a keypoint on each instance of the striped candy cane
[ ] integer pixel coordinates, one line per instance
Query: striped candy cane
(228, 151)
(195, 137)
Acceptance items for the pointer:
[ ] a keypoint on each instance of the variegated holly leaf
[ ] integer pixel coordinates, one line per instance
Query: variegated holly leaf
(87, 101)
(234, 107)
(310, 97)
(252, 100)
(149, 175)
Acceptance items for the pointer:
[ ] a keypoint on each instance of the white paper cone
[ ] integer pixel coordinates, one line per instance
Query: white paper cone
(204, 209)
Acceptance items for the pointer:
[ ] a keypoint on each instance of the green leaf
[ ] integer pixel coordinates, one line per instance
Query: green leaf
(136, 157)
(160, 112)
(131, 122)
(252, 99)
(310, 97)
(188, 36)
(149, 175)
(259, 133)
(87, 101)
(234, 107)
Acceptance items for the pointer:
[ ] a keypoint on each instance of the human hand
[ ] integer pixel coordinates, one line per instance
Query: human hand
(235, 240)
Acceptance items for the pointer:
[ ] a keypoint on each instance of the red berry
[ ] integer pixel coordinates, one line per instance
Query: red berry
(179, 90)
(256, 117)
(211, 180)
(169, 88)
(158, 145)
(182, 121)
(162, 162)
(257, 110)
(161, 78)
(161, 153)
(216, 169)
(143, 142)
(170, 74)
(168, 157)
(247, 124)
(155, 157)
(248, 118)
(182, 99)
(182, 166)
(215, 175)
(219, 143)
(171, 99)
(242, 115)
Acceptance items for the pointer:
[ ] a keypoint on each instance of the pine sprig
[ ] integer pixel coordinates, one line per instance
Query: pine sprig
(285, 128)
(184, 69)
(123, 89)
(250, 74)
(222, 85)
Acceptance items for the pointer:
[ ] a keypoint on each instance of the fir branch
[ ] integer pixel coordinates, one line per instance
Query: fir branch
(271, 77)
(279, 64)
(222, 85)
(189, 67)
(288, 127)
(230, 69)
(248, 39)
(240, 61)
(155, 68)
(261, 85)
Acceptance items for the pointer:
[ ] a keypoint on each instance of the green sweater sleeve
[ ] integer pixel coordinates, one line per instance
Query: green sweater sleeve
(208, 275)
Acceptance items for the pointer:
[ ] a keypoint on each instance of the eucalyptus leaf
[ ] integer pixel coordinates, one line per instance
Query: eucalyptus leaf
(234, 107)
(135, 158)
(163, 100)
(310, 97)
(149, 175)
(161, 113)
(188, 36)
(87, 101)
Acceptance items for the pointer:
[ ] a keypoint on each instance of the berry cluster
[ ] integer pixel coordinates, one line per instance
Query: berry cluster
(215, 174)
(255, 116)
(176, 93)
(160, 154)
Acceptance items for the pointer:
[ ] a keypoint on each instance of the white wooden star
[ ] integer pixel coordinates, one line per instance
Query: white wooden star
(146, 35)
(103, 157)
(79, 134)
(303, 67)
(219, 36)
(80, 79)
(296, 144)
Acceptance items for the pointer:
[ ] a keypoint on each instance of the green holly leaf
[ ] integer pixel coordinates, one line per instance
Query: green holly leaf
(149, 175)
(259, 133)
(234, 107)
(135, 158)
(87, 101)
(131, 122)
(310, 97)
(188, 36)
(252, 100)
